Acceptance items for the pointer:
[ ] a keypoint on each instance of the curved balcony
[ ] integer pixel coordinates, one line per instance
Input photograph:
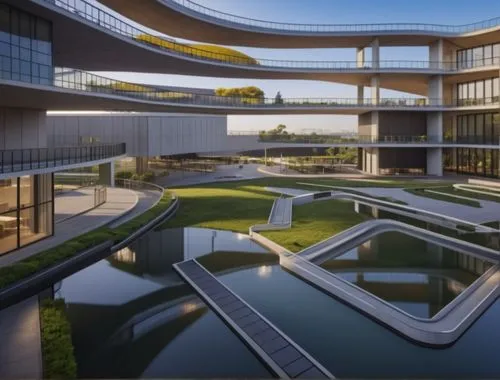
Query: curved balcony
(187, 19)
(41, 159)
(85, 91)
(251, 66)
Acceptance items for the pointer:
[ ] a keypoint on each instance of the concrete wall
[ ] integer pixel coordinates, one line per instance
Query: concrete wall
(146, 134)
(22, 128)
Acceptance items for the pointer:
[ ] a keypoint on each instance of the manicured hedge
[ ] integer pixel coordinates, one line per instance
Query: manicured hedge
(57, 348)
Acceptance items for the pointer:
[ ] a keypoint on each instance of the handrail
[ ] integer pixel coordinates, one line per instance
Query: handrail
(336, 28)
(16, 160)
(84, 81)
(368, 139)
(89, 12)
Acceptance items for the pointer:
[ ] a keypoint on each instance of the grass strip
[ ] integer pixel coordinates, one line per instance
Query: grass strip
(445, 198)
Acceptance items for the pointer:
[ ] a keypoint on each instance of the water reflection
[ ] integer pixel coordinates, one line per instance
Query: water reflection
(485, 239)
(417, 276)
(132, 316)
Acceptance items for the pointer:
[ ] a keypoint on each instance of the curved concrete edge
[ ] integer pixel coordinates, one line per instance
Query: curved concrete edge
(43, 279)
(441, 330)
(473, 189)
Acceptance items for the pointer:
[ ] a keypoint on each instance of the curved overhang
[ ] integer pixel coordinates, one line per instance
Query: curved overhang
(174, 19)
(102, 47)
(28, 95)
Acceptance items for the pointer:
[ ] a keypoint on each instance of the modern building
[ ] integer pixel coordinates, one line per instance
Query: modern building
(450, 120)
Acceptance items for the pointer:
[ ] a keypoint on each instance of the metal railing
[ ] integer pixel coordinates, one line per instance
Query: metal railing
(362, 139)
(100, 195)
(83, 81)
(334, 28)
(17, 160)
(89, 12)
(137, 185)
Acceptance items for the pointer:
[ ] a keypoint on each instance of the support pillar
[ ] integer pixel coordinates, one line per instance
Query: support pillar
(360, 58)
(435, 161)
(375, 45)
(375, 89)
(107, 174)
(435, 127)
(361, 95)
(141, 165)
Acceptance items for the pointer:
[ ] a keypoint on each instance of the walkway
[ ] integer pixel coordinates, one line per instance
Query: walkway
(146, 200)
(20, 348)
(278, 351)
(490, 211)
(120, 201)
(223, 173)
(69, 203)
(281, 213)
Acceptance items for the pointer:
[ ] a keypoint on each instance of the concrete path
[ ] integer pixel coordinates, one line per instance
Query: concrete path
(490, 211)
(120, 201)
(147, 199)
(281, 213)
(73, 202)
(223, 173)
(20, 347)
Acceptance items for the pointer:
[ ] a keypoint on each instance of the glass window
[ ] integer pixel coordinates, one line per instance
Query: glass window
(26, 191)
(496, 89)
(8, 195)
(8, 232)
(4, 22)
(28, 226)
(478, 56)
(488, 54)
(496, 54)
(488, 130)
(479, 128)
(471, 126)
(480, 91)
(488, 86)
(471, 92)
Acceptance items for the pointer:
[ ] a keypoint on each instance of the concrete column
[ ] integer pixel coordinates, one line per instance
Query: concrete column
(360, 57)
(435, 92)
(436, 54)
(141, 164)
(375, 45)
(107, 174)
(361, 95)
(371, 164)
(435, 161)
(435, 126)
(375, 89)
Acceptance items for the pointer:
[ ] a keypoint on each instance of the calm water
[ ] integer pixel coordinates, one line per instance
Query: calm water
(351, 345)
(412, 274)
(132, 316)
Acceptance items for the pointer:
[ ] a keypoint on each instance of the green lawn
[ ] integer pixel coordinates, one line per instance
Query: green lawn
(470, 194)
(314, 222)
(237, 205)
(440, 197)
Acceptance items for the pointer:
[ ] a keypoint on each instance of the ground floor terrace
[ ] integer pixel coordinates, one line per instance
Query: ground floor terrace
(133, 314)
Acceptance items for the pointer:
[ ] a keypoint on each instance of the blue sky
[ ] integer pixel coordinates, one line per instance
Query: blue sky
(324, 12)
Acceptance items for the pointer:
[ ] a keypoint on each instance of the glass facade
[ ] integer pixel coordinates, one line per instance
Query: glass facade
(478, 56)
(25, 46)
(481, 128)
(472, 161)
(26, 211)
(478, 92)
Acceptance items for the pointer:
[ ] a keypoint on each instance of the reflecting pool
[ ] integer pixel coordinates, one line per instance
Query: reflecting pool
(132, 316)
(417, 276)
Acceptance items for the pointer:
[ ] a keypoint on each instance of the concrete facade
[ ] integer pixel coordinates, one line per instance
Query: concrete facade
(145, 134)
(22, 128)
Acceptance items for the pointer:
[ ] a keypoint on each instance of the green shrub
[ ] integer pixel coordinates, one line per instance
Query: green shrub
(148, 176)
(57, 349)
(127, 174)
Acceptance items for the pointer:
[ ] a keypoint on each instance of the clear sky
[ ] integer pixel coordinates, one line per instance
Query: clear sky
(324, 12)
